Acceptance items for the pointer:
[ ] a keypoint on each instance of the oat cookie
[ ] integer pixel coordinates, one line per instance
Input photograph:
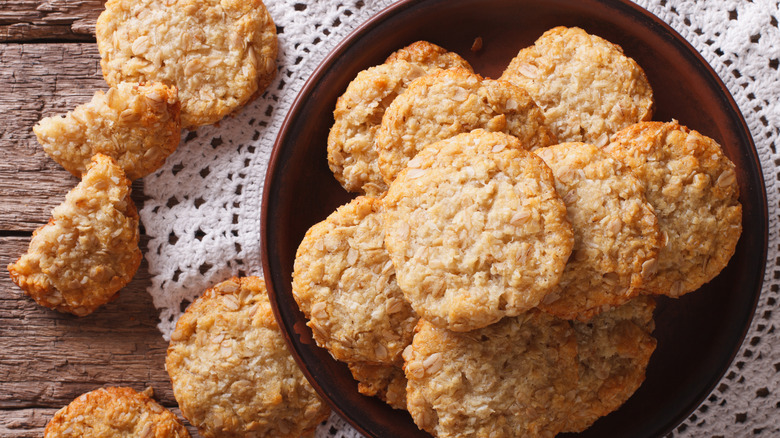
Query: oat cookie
(89, 249)
(613, 350)
(586, 86)
(509, 379)
(219, 54)
(358, 113)
(429, 56)
(231, 371)
(449, 102)
(387, 382)
(115, 412)
(693, 188)
(616, 238)
(476, 230)
(344, 282)
(137, 125)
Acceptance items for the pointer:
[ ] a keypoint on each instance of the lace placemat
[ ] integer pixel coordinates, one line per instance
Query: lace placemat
(203, 208)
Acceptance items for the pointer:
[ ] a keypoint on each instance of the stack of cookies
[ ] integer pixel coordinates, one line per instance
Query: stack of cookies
(495, 275)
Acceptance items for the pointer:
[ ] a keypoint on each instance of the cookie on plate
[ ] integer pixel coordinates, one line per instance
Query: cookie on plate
(137, 125)
(693, 189)
(429, 56)
(344, 283)
(616, 238)
(115, 412)
(89, 249)
(387, 382)
(219, 54)
(509, 379)
(231, 371)
(588, 88)
(476, 230)
(449, 102)
(613, 351)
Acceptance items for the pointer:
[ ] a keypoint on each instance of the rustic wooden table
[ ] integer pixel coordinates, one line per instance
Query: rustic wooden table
(49, 63)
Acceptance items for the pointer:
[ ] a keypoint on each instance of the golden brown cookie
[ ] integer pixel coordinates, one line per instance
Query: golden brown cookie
(613, 350)
(358, 113)
(616, 238)
(89, 249)
(449, 102)
(115, 412)
(693, 188)
(137, 125)
(231, 371)
(588, 88)
(219, 54)
(387, 382)
(344, 283)
(510, 379)
(476, 230)
(429, 56)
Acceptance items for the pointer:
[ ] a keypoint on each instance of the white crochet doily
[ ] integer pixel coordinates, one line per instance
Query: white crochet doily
(202, 212)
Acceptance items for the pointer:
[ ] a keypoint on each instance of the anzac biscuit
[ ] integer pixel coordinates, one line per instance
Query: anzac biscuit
(344, 282)
(231, 371)
(358, 113)
(586, 86)
(616, 238)
(387, 382)
(613, 350)
(449, 102)
(510, 379)
(115, 412)
(693, 188)
(476, 230)
(219, 54)
(429, 56)
(137, 125)
(89, 249)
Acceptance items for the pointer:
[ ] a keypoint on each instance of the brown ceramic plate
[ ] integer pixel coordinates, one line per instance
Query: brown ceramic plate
(698, 335)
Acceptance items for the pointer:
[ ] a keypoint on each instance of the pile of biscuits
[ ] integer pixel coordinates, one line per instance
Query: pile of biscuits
(495, 277)
(169, 65)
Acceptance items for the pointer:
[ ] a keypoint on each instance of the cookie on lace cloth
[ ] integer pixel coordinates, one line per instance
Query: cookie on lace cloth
(476, 230)
(588, 88)
(137, 125)
(89, 249)
(693, 189)
(449, 102)
(344, 283)
(219, 54)
(616, 237)
(359, 111)
(231, 372)
(115, 412)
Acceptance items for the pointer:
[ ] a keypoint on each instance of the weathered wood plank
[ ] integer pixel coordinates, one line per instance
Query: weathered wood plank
(49, 358)
(49, 20)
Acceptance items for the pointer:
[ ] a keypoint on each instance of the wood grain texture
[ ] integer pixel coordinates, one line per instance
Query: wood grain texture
(51, 20)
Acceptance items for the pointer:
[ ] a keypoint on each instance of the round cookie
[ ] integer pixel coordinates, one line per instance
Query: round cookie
(586, 86)
(449, 102)
(429, 56)
(231, 372)
(476, 230)
(344, 283)
(387, 382)
(693, 189)
(115, 412)
(509, 379)
(358, 113)
(137, 125)
(613, 351)
(89, 249)
(616, 238)
(219, 54)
